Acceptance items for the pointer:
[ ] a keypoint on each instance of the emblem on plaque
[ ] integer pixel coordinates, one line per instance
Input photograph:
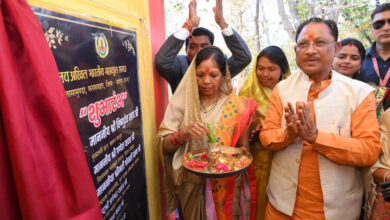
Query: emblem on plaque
(101, 45)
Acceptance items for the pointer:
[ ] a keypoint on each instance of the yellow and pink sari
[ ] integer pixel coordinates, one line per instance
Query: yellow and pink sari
(262, 158)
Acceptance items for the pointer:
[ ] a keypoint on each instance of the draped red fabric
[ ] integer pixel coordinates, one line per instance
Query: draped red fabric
(43, 170)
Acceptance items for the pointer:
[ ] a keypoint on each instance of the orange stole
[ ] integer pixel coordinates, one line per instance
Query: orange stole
(223, 188)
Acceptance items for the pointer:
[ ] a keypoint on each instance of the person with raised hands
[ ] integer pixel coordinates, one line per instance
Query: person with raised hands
(172, 66)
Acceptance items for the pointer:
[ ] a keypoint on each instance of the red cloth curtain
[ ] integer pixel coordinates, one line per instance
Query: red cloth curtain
(43, 170)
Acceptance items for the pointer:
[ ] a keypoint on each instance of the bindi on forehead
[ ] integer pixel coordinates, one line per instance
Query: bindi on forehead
(310, 36)
(207, 70)
(350, 44)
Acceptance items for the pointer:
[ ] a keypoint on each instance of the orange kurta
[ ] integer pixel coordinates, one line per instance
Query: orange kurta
(360, 150)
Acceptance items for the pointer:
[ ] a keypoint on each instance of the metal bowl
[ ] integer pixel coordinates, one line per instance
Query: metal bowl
(225, 149)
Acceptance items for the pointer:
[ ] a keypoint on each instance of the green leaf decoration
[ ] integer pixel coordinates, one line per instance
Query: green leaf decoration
(212, 138)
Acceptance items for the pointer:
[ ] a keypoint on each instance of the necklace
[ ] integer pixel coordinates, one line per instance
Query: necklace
(203, 109)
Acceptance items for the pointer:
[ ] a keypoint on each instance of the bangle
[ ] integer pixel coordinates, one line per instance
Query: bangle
(189, 26)
(177, 139)
(386, 175)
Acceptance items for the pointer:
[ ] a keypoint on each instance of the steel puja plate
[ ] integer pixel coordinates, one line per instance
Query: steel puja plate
(231, 161)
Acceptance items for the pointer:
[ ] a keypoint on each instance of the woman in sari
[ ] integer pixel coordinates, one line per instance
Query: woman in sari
(376, 207)
(350, 58)
(205, 96)
(270, 67)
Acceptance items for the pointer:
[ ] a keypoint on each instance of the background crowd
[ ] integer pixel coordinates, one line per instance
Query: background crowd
(318, 136)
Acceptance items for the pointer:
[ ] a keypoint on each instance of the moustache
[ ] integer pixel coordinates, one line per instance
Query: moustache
(311, 58)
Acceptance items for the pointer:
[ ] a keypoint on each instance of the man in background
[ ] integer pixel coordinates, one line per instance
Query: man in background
(172, 66)
(375, 69)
